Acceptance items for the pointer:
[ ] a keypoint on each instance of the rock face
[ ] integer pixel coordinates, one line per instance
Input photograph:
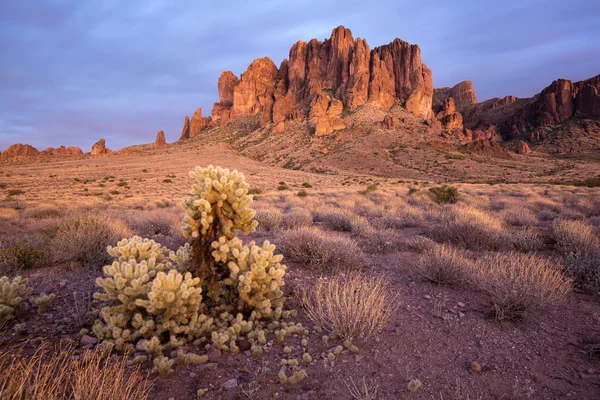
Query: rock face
(160, 139)
(20, 150)
(99, 148)
(62, 151)
(554, 105)
(197, 123)
(322, 79)
(463, 95)
(523, 147)
(449, 117)
(185, 132)
(488, 148)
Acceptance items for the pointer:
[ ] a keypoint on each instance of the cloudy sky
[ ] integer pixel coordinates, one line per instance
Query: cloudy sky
(73, 71)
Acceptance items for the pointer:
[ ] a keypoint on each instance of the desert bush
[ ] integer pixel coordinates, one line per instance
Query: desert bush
(445, 265)
(302, 193)
(214, 289)
(58, 374)
(269, 218)
(43, 210)
(585, 268)
(420, 244)
(519, 283)
(158, 221)
(322, 251)
(526, 240)
(444, 194)
(379, 241)
(574, 237)
(354, 307)
(297, 218)
(369, 189)
(469, 228)
(283, 187)
(84, 239)
(22, 255)
(341, 221)
(519, 216)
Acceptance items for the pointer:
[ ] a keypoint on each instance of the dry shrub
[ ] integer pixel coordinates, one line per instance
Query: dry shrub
(378, 241)
(420, 244)
(446, 265)
(159, 221)
(8, 214)
(471, 229)
(85, 239)
(297, 218)
(526, 240)
(353, 307)
(269, 219)
(519, 216)
(55, 374)
(574, 237)
(322, 251)
(341, 221)
(43, 210)
(22, 255)
(519, 283)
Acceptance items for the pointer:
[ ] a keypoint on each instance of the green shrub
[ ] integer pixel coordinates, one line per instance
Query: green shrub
(302, 193)
(369, 189)
(412, 191)
(22, 255)
(168, 180)
(306, 185)
(122, 183)
(282, 187)
(254, 191)
(14, 192)
(444, 194)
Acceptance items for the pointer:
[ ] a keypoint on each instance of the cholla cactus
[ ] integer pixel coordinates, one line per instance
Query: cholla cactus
(215, 289)
(42, 302)
(11, 295)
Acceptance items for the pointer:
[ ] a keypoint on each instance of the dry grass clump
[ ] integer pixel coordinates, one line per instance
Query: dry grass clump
(379, 241)
(43, 210)
(353, 307)
(575, 237)
(470, 228)
(446, 265)
(85, 239)
(8, 214)
(22, 255)
(421, 244)
(269, 219)
(159, 221)
(297, 218)
(322, 251)
(341, 221)
(53, 374)
(526, 240)
(519, 216)
(519, 283)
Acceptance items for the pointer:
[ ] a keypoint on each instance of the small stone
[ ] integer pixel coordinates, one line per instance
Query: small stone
(230, 384)
(476, 367)
(192, 374)
(461, 314)
(87, 340)
(427, 297)
(461, 304)
(243, 344)
(213, 354)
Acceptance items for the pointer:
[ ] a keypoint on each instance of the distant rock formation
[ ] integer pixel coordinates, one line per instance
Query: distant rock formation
(185, 132)
(554, 105)
(449, 117)
(99, 148)
(488, 148)
(463, 95)
(322, 79)
(20, 150)
(160, 139)
(62, 151)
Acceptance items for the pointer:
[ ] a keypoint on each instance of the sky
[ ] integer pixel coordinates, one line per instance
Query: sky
(75, 71)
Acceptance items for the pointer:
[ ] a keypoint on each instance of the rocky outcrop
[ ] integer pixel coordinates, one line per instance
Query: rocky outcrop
(62, 151)
(449, 117)
(523, 147)
(388, 123)
(160, 139)
(20, 150)
(185, 132)
(554, 105)
(322, 79)
(488, 148)
(463, 95)
(99, 149)
(198, 123)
